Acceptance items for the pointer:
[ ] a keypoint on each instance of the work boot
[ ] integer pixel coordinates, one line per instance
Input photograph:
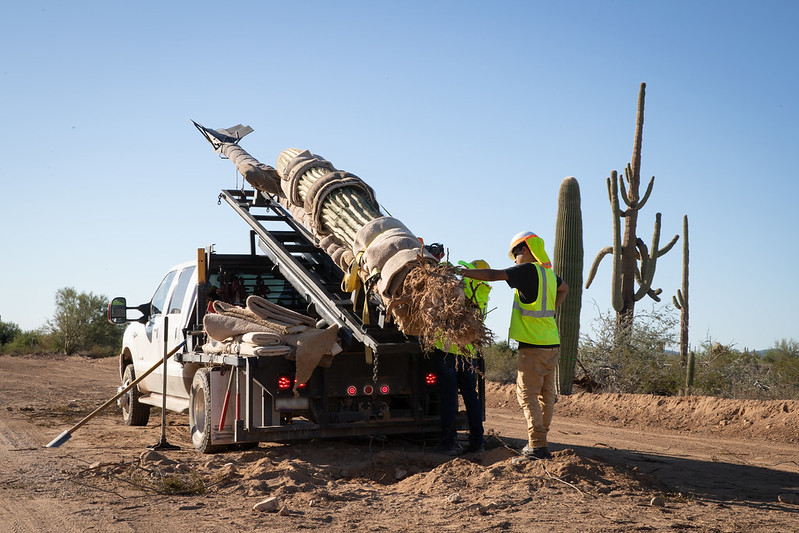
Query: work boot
(536, 453)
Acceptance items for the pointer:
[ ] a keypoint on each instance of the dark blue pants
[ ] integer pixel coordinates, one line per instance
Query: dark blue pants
(456, 374)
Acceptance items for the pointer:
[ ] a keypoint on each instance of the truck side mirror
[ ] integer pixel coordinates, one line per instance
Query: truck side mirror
(117, 311)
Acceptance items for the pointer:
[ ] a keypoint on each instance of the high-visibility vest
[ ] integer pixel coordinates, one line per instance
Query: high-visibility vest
(535, 323)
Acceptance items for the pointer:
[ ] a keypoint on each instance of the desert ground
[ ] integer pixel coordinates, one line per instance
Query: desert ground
(621, 463)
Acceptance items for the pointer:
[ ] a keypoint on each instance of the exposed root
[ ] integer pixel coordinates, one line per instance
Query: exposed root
(432, 305)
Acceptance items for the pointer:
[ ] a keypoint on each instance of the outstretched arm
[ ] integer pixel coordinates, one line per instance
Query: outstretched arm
(485, 274)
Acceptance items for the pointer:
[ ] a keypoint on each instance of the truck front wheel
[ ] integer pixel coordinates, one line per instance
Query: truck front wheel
(133, 412)
(200, 413)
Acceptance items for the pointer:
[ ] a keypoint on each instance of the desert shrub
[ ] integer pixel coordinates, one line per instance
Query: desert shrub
(644, 365)
(80, 324)
(8, 330)
(500, 362)
(723, 371)
(33, 341)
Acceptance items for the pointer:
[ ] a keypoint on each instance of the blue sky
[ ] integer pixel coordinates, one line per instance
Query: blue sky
(463, 116)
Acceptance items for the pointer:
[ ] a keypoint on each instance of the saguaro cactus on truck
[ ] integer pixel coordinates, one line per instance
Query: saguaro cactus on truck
(377, 253)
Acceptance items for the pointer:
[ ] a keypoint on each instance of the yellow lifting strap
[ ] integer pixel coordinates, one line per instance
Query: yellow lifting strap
(351, 282)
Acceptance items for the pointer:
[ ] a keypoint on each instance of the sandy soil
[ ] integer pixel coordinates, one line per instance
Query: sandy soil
(621, 463)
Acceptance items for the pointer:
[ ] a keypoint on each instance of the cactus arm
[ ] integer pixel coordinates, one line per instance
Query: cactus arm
(678, 300)
(647, 193)
(625, 188)
(669, 246)
(598, 259)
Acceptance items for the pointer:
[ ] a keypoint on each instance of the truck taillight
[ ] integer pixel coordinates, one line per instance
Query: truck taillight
(283, 383)
(352, 390)
(430, 378)
(368, 389)
(384, 389)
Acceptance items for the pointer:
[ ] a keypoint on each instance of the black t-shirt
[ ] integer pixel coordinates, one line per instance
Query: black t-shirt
(524, 278)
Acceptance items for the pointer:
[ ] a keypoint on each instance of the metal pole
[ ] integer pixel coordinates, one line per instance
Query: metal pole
(163, 444)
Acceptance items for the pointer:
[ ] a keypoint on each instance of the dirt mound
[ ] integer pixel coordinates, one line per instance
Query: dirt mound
(769, 420)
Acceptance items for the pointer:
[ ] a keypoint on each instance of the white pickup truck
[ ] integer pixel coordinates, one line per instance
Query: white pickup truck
(381, 383)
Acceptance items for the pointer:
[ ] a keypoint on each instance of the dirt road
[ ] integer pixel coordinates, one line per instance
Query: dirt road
(621, 463)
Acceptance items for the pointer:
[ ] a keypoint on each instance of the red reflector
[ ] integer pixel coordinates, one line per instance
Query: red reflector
(430, 379)
(383, 389)
(284, 383)
(301, 385)
(351, 390)
(368, 389)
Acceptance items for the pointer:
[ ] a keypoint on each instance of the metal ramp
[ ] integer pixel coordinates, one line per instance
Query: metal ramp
(291, 247)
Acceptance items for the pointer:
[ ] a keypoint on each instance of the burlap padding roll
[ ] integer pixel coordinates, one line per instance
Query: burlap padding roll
(261, 338)
(337, 250)
(267, 324)
(221, 327)
(372, 229)
(263, 308)
(324, 186)
(396, 268)
(294, 171)
(261, 176)
(245, 348)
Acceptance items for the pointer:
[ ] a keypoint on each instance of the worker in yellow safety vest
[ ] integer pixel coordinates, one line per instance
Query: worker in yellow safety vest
(457, 373)
(538, 293)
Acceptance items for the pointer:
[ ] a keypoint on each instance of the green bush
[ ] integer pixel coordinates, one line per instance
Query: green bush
(8, 330)
(33, 341)
(501, 362)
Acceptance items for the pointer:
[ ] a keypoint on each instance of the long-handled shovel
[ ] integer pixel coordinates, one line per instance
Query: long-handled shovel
(66, 435)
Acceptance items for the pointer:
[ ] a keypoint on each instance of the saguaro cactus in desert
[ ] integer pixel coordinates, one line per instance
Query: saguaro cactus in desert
(633, 262)
(681, 299)
(567, 262)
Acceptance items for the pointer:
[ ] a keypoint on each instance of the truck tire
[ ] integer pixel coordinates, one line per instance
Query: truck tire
(134, 413)
(200, 413)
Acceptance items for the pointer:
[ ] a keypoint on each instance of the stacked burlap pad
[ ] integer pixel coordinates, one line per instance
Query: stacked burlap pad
(266, 329)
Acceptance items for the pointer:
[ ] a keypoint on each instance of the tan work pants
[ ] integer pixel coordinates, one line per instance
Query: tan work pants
(535, 390)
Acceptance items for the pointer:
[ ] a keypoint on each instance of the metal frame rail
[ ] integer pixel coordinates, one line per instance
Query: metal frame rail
(330, 307)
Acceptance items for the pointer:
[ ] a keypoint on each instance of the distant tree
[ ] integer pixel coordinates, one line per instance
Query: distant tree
(8, 330)
(783, 349)
(80, 322)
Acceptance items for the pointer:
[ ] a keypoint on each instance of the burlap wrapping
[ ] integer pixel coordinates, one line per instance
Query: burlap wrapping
(223, 327)
(326, 185)
(312, 346)
(226, 309)
(272, 312)
(261, 176)
(261, 338)
(237, 347)
(390, 248)
(294, 171)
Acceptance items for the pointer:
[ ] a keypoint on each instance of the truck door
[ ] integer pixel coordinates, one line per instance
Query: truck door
(179, 310)
(150, 348)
